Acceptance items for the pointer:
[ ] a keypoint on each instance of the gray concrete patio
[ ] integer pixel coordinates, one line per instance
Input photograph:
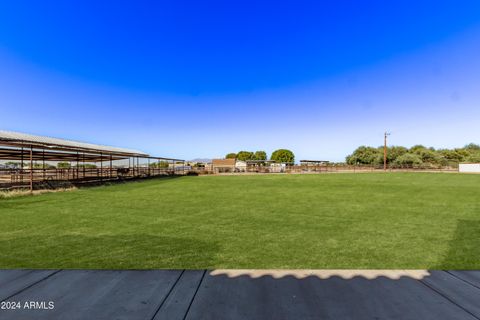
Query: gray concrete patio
(242, 294)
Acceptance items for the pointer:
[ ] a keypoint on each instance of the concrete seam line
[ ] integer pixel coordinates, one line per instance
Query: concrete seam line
(466, 281)
(447, 298)
(195, 294)
(167, 295)
(31, 285)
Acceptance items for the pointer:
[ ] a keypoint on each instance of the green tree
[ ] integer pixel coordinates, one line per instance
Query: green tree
(428, 156)
(365, 155)
(13, 164)
(472, 146)
(416, 148)
(63, 165)
(41, 166)
(394, 152)
(245, 155)
(450, 155)
(462, 154)
(473, 151)
(159, 164)
(231, 156)
(474, 158)
(283, 156)
(260, 155)
(408, 159)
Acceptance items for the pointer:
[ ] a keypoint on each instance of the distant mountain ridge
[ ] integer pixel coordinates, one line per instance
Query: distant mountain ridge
(204, 160)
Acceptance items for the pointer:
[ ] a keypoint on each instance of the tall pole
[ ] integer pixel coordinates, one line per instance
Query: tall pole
(385, 150)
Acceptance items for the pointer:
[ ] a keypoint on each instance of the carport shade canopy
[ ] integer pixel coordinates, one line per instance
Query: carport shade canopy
(18, 146)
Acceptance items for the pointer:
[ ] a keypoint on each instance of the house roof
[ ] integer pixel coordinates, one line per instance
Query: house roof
(223, 162)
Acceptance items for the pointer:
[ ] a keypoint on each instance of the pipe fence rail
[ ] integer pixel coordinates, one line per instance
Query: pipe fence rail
(326, 168)
(23, 178)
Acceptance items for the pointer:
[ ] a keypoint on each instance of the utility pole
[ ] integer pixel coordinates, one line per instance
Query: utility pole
(385, 150)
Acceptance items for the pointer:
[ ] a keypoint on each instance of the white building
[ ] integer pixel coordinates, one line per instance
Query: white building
(240, 166)
(278, 167)
(469, 167)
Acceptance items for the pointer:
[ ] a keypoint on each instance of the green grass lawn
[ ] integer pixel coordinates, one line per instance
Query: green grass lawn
(370, 220)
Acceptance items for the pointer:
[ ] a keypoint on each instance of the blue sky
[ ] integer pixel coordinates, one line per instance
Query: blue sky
(204, 78)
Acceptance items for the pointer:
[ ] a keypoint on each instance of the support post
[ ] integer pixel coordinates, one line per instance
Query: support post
(43, 163)
(101, 167)
(110, 167)
(83, 169)
(31, 169)
(21, 167)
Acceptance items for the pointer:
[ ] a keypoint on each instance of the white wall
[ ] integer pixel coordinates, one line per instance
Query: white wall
(469, 167)
(240, 164)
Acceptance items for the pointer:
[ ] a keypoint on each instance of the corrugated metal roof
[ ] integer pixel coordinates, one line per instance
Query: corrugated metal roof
(23, 137)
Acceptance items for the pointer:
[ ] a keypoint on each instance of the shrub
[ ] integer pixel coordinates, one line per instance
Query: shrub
(365, 155)
(408, 159)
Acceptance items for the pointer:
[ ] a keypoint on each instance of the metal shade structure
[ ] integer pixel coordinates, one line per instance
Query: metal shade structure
(17, 139)
(27, 149)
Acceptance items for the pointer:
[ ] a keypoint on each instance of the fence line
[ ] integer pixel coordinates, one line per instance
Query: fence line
(12, 178)
(318, 169)
(17, 178)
